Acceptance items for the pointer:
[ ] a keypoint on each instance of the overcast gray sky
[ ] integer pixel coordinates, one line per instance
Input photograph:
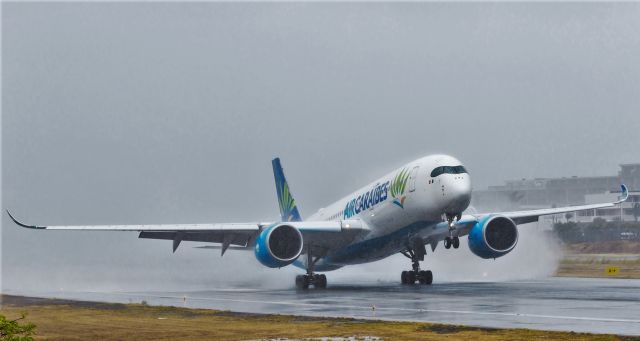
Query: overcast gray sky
(157, 113)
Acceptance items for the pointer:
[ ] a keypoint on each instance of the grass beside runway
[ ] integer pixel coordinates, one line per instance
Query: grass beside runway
(77, 320)
(598, 259)
(599, 266)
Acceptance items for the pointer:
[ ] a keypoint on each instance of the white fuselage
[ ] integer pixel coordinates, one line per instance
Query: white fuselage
(405, 202)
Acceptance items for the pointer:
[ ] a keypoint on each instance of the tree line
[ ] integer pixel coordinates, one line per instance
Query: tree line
(598, 230)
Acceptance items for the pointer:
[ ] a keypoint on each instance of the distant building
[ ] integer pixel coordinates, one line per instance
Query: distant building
(555, 192)
(627, 211)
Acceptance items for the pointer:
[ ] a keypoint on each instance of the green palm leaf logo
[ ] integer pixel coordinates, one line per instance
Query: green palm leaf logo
(397, 187)
(286, 200)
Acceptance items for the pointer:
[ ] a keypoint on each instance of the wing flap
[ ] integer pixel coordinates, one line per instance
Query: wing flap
(234, 238)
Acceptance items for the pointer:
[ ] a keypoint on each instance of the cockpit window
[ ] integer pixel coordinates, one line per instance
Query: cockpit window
(447, 170)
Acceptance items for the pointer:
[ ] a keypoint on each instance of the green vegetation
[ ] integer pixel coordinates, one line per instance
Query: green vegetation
(74, 320)
(597, 267)
(13, 330)
(594, 249)
(596, 259)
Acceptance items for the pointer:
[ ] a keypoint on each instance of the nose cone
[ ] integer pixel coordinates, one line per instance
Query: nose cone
(456, 193)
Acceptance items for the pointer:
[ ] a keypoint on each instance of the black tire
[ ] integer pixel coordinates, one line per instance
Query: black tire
(300, 282)
(447, 243)
(306, 282)
(320, 281)
(456, 242)
(428, 277)
(403, 277)
(411, 277)
(422, 277)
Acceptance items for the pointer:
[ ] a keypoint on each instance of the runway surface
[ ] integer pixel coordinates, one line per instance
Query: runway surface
(569, 304)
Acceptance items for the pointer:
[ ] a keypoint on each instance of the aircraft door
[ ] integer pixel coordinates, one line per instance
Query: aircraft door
(412, 178)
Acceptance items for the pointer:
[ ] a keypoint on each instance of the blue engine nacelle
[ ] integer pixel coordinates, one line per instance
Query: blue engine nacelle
(278, 246)
(493, 236)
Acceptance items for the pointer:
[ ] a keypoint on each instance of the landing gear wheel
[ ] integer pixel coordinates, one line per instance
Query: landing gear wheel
(302, 282)
(422, 277)
(317, 280)
(320, 281)
(428, 277)
(455, 242)
(411, 277)
(447, 243)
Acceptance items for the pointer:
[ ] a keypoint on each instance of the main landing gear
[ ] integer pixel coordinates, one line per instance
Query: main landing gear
(317, 280)
(308, 279)
(410, 277)
(423, 277)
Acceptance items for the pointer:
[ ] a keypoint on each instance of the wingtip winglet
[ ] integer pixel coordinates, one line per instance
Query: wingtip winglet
(625, 193)
(24, 225)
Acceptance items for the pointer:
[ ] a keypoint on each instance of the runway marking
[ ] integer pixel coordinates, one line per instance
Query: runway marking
(368, 308)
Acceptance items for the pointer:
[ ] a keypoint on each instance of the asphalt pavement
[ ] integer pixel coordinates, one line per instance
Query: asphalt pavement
(568, 304)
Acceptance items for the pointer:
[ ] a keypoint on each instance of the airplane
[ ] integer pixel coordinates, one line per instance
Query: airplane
(419, 204)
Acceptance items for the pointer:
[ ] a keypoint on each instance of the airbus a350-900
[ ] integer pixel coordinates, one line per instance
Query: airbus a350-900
(417, 205)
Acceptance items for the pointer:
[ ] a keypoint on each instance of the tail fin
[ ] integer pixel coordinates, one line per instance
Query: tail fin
(288, 208)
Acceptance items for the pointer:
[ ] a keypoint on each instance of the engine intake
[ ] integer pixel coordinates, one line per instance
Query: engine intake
(278, 246)
(493, 237)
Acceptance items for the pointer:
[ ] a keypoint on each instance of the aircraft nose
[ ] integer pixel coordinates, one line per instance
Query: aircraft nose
(456, 193)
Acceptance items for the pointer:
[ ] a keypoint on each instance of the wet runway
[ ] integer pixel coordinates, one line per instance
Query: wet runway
(581, 305)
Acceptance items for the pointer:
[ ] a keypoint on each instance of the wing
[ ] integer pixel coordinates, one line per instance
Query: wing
(467, 221)
(522, 217)
(323, 234)
(225, 234)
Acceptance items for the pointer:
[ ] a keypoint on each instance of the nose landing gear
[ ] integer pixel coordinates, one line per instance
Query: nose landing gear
(452, 239)
(452, 218)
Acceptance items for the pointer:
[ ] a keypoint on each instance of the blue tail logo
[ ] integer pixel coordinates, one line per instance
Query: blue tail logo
(288, 208)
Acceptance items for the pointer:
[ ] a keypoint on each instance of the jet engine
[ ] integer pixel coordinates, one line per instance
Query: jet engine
(493, 236)
(278, 246)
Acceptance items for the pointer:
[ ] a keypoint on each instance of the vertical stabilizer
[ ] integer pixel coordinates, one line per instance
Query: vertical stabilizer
(288, 208)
